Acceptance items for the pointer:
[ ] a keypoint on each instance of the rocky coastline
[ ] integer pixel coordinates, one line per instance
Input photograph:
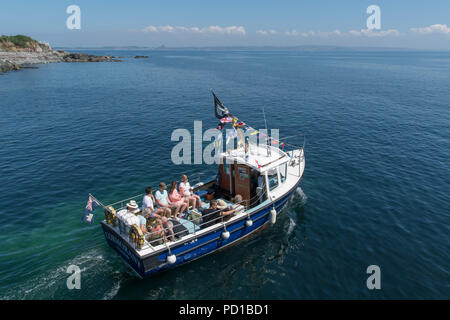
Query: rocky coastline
(15, 55)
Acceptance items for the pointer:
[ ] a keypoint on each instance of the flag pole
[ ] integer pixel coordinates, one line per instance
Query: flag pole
(267, 131)
(90, 195)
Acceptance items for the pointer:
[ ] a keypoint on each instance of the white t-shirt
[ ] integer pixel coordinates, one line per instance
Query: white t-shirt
(238, 207)
(121, 214)
(147, 202)
(161, 196)
(131, 219)
(186, 187)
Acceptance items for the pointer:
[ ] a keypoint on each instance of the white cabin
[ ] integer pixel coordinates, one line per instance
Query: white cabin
(260, 172)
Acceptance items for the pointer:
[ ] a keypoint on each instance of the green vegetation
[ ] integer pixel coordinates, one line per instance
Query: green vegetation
(18, 40)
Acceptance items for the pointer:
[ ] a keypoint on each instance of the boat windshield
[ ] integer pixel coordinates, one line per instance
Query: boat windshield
(283, 172)
(273, 178)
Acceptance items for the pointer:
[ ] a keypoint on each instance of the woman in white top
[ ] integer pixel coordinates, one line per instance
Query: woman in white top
(187, 191)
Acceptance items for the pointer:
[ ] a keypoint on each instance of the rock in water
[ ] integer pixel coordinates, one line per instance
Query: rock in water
(19, 50)
(6, 65)
(83, 57)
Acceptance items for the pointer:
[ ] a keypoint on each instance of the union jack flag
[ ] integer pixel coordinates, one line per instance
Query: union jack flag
(88, 216)
(226, 120)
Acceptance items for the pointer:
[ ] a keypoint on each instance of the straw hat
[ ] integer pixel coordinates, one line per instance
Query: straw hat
(132, 204)
(163, 185)
(221, 204)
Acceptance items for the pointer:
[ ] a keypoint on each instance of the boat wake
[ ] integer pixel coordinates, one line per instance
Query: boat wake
(300, 199)
(302, 196)
(114, 290)
(291, 227)
(52, 284)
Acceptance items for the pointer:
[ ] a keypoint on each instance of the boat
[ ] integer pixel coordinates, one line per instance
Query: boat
(264, 175)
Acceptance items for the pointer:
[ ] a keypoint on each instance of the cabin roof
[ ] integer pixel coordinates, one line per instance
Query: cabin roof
(258, 158)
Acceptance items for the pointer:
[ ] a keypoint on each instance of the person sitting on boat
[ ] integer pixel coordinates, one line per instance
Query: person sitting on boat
(176, 198)
(151, 218)
(149, 200)
(163, 201)
(142, 222)
(157, 235)
(211, 216)
(132, 207)
(187, 191)
(236, 207)
(238, 203)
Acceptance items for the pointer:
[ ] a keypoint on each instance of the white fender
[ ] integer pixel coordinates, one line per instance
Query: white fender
(273, 216)
(249, 222)
(171, 259)
(225, 235)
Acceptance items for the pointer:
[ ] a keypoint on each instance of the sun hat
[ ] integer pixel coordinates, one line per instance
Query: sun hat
(132, 204)
(221, 204)
(163, 185)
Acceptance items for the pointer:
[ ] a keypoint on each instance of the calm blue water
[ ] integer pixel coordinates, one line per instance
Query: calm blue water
(375, 190)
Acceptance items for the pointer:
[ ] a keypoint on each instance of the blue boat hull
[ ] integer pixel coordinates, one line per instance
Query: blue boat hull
(193, 249)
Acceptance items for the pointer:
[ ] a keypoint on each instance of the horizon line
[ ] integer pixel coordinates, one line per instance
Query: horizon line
(238, 47)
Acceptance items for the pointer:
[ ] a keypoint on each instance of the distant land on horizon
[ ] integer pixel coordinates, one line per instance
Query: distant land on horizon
(247, 48)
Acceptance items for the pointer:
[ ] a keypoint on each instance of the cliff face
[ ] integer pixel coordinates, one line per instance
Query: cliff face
(17, 51)
(21, 43)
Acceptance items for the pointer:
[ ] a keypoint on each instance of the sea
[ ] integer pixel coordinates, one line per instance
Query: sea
(375, 192)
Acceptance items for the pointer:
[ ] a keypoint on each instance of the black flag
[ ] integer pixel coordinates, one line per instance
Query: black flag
(219, 109)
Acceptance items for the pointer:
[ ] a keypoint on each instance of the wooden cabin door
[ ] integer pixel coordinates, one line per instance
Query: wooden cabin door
(225, 177)
(242, 181)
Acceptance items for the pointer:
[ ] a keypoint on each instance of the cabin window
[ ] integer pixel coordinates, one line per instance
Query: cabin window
(283, 172)
(272, 176)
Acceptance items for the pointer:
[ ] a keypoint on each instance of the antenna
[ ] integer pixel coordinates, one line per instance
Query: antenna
(267, 131)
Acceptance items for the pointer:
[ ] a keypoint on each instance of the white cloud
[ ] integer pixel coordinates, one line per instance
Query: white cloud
(374, 33)
(338, 33)
(235, 30)
(435, 28)
(308, 34)
(267, 32)
(328, 34)
(240, 30)
(293, 32)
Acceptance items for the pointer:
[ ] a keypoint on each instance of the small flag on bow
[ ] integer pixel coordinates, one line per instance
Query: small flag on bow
(88, 215)
(226, 120)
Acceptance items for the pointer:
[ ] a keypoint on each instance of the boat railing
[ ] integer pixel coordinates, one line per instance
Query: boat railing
(301, 155)
(211, 222)
(165, 239)
(196, 176)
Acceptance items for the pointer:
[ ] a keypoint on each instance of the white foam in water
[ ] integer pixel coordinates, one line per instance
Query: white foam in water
(291, 227)
(302, 195)
(51, 281)
(114, 290)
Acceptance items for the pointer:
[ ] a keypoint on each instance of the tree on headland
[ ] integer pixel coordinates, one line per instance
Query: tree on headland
(18, 40)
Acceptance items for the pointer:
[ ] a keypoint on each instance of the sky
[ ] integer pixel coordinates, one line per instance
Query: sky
(176, 23)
